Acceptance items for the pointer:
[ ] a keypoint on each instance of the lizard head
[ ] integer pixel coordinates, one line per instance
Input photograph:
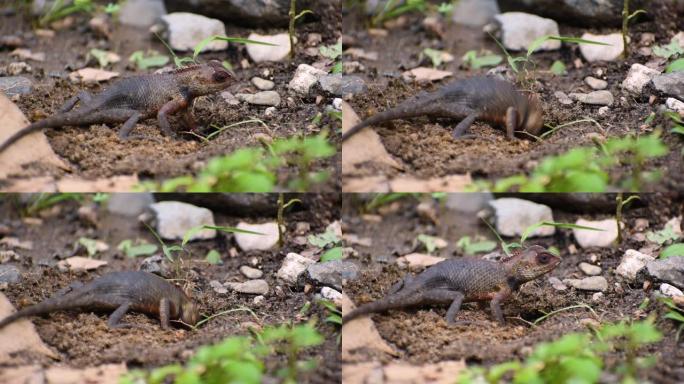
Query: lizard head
(532, 120)
(189, 313)
(529, 263)
(208, 78)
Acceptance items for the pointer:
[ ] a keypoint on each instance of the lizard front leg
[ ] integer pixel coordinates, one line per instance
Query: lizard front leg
(189, 118)
(511, 122)
(171, 107)
(164, 312)
(400, 284)
(495, 305)
(83, 96)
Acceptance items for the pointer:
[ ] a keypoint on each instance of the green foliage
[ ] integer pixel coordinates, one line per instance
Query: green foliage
(61, 9)
(471, 60)
(90, 245)
(678, 124)
(675, 66)
(101, 56)
(434, 55)
(290, 341)
(668, 51)
(674, 313)
(153, 59)
(47, 200)
(529, 230)
(672, 250)
(254, 169)
(396, 8)
(445, 8)
(470, 247)
(382, 199)
(239, 40)
(324, 239)
(575, 357)
(663, 236)
(558, 68)
(334, 313)
(428, 242)
(213, 257)
(333, 52)
(139, 249)
(112, 8)
(331, 254)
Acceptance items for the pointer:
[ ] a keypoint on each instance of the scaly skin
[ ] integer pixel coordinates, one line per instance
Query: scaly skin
(139, 97)
(478, 98)
(120, 291)
(460, 281)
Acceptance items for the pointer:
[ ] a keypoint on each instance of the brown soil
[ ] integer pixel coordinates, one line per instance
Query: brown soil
(422, 336)
(83, 339)
(96, 152)
(430, 150)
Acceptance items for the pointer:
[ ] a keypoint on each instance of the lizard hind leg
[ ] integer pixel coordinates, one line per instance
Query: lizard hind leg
(460, 129)
(164, 312)
(127, 127)
(511, 122)
(83, 96)
(446, 296)
(116, 316)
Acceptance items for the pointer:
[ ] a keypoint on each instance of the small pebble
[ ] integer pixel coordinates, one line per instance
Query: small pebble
(589, 269)
(593, 283)
(250, 272)
(596, 84)
(598, 296)
(669, 290)
(217, 287)
(557, 284)
(562, 98)
(263, 84)
(258, 299)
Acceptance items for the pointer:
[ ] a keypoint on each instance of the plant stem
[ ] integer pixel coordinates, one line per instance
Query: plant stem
(292, 14)
(618, 217)
(281, 205)
(625, 21)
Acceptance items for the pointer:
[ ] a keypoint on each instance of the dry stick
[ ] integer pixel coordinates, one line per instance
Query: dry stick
(625, 20)
(292, 15)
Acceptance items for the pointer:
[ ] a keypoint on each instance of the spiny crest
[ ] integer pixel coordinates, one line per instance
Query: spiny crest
(187, 68)
(514, 253)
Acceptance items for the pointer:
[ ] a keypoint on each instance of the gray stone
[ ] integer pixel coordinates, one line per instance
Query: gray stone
(595, 52)
(562, 98)
(129, 204)
(141, 13)
(266, 240)
(513, 216)
(185, 30)
(263, 84)
(9, 274)
(669, 290)
(254, 287)
(594, 98)
(587, 13)
(557, 284)
(637, 77)
(475, 13)
(15, 85)
(270, 98)
(260, 53)
(331, 294)
(596, 297)
(595, 83)
(675, 105)
(519, 30)
(593, 283)
(218, 287)
(174, 219)
(304, 78)
(293, 266)
(331, 273)
(589, 238)
(468, 202)
(670, 270)
(670, 84)
(253, 13)
(590, 269)
(632, 262)
(340, 85)
(250, 272)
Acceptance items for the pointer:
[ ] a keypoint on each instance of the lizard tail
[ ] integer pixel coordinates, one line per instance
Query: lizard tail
(403, 111)
(392, 302)
(23, 132)
(61, 303)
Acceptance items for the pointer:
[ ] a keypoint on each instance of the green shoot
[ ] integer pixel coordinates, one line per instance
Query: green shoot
(672, 250)
(470, 247)
(626, 18)
(140, 249)
(471, 60)
(151, 60)
(618, 213)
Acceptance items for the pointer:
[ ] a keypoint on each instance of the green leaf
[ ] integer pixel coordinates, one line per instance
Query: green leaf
(153, 60)
(664, 235)
(332, 254)
(434, 55)
(667, 51)
(200, 46)
(672, 250)
(428, 242)
(558, 68)
(471, 60)
(675, 66)
(101, 56)
(332, 52)
(676, 316)
(89, 244)
(213, 257)
(132, 251)
(323, 239)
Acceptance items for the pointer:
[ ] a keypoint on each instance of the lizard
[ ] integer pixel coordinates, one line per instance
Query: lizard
(456, 281)
(477, 98)
(119, 291)
(137, 98)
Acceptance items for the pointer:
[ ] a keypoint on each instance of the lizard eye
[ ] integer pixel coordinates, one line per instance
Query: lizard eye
(543, 258)
(221, 76)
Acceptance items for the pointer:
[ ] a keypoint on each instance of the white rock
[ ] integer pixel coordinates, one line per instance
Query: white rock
(557, 284)
(129, 204)
(632, 262)
(475, 13)
(18, 68)
(270, 98)
(589, 269)
(603, 111)
(594, 98)
(260, 53)
(258, 299)
(263, 84)
(78, 263)
(593, 283)
(248, 241)
(175, 218)
(514, 215)
(91, 75)
(331, 294)
(250, 272)
(185, 30)
(141, 13)
(595, 83)
(638, 76)
(675, 105)
(596, 297)
(305, 76)
(218, 287)
(254, 287)
(669, 290)
(594, 52)
(293, 266)
(587, 238)
(519, 30)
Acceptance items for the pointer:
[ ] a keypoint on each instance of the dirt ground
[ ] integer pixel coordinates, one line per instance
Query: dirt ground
(426, 148)
(96, 152)
(422, 336)
(83, 339)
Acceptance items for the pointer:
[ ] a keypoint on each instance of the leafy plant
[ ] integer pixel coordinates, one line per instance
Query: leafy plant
(445, 8)
(668, 51)
(558, 68)
(333, 52)
(672, 250)
(151, 60)
(291, 341)
(103, 57)
(325, 239)
(675, 66)
(618, 213)
(678, 124)
(61, 9)
(292, 14)
(280, 216)
(135, 250)
(663, 236)
(47, 200)
(213, 257)
(470, 247)
(626, 18)
(428, 242)
(90, 246)
(471, 60)
(674, 313)
(394, 8)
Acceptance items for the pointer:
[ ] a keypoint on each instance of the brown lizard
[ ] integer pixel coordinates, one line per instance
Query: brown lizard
(478, 98)
(120, 291)
(462, 280)
(138, 97)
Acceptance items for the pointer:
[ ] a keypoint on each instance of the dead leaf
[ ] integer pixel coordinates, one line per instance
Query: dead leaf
(360, 333)
(78, 263)
(26, 54)
(361, 372)
(31, 148)
(416, 261)
(443, 372)
(358, 53)
(425, 75)
(13, 242)
(377, 184)
(18, 336)
(362, 147)
(123, 183)
(91, 75)
(103, 374)
(451, 183)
